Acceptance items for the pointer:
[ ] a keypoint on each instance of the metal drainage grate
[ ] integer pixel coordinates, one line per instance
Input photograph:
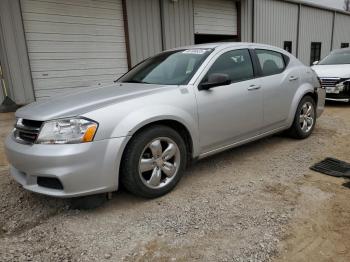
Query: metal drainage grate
(332, 167)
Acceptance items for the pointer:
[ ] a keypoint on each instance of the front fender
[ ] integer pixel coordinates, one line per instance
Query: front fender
(137, 119)
(304, 89)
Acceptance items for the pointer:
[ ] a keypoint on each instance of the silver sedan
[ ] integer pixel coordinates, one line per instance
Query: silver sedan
(142, 131)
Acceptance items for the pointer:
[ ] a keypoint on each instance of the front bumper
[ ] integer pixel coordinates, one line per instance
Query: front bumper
(338, 91)
(82, 169)
(341, 97)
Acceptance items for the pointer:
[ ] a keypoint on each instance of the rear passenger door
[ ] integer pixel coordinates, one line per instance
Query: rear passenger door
(279, 84)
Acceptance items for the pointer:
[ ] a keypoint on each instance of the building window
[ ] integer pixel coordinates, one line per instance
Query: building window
(287, 46)
(315, 52)
(344, 45)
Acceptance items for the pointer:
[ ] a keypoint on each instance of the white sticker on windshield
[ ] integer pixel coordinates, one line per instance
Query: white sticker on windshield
(195, 51)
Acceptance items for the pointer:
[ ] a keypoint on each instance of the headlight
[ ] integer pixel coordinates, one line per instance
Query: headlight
(343, 85)
(67, 131)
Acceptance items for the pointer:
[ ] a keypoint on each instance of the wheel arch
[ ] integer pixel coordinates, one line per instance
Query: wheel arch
(175, 117)
(303, 90)
(174, 124)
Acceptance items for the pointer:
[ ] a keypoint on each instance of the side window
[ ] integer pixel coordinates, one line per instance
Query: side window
(271, 62)
(236, 64)
(344, 45)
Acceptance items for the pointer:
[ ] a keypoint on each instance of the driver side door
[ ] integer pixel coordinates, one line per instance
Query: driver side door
(230, 113)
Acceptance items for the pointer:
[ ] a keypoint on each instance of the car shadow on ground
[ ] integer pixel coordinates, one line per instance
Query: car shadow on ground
(210, 164)
(337, 104)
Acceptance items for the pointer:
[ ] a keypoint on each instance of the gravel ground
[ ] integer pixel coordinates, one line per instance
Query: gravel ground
(253, 203)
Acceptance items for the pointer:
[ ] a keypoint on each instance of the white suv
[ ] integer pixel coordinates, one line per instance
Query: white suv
(334, 72)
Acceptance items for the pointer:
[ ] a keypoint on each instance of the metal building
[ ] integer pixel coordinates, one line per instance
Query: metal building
(56, 46)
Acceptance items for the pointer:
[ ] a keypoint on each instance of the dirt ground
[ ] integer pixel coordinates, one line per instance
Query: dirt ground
(258, 202)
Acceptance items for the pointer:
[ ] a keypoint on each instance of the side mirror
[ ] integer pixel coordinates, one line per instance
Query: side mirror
(315, 63)
(215, 79)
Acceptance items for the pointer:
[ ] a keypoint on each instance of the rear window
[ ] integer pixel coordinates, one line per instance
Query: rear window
(271, 62)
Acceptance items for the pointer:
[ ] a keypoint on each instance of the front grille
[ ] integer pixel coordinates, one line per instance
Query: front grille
(27, 131)
(330, 82)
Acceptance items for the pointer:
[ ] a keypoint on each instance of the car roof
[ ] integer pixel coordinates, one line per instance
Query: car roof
(223, 45)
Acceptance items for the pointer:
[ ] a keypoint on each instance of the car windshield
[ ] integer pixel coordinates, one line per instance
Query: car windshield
(168, 68)
(337, 58)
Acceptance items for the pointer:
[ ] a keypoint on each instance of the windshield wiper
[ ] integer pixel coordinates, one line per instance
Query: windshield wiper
(135, 81)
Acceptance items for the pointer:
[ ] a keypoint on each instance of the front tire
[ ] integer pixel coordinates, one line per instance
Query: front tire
(305, 119)
(153, 162)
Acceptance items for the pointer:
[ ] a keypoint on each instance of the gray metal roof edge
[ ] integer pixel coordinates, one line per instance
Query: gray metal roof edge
(322, 7)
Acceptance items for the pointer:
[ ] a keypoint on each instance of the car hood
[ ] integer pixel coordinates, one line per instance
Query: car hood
(74, 104)
(341, 71)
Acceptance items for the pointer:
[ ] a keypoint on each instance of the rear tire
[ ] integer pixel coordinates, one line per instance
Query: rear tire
(153, 162)
(305, 119)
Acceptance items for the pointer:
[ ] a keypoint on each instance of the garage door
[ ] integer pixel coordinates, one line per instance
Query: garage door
(73, 44)
(215, 17)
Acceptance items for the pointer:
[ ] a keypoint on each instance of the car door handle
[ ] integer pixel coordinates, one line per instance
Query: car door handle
(293, 78)
(253, 87)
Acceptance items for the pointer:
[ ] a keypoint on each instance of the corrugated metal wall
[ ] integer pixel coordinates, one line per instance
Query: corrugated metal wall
(154, 25)
(4, 70)
(158, 25)
(276, 22)
(13, 55)
(341, 30)
(5, 73)
(315, 26)
(246, 20)
(177, 20)
(145, 32)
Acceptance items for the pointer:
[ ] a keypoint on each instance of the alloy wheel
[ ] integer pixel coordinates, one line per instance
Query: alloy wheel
(307, 117)
(159, 162)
